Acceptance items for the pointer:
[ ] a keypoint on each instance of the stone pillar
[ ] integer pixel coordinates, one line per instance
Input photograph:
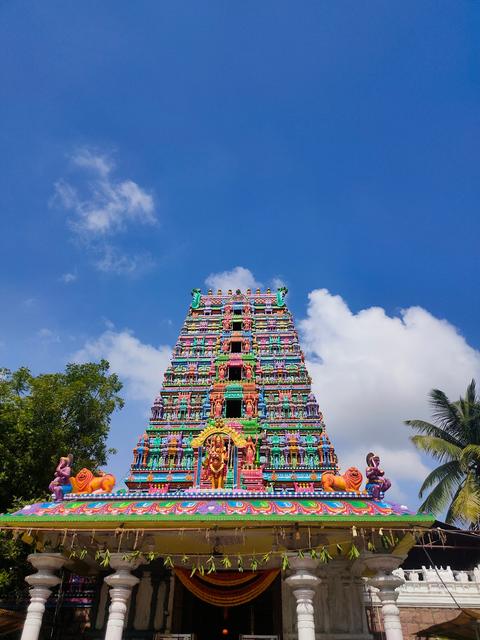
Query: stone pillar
(303, 583)
(387, 583)
(121, 584)
(41, 584)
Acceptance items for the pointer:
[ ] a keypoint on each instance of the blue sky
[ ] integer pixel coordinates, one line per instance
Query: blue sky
(330, 145)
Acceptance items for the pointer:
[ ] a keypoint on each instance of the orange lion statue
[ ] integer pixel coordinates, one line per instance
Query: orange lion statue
(86, 482)
(349, 481)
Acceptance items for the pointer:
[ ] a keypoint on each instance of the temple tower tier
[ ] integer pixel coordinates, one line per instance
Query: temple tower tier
(236, 409)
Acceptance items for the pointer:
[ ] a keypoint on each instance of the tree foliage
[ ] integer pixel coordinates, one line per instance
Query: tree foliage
(453, 439)
(42, 418)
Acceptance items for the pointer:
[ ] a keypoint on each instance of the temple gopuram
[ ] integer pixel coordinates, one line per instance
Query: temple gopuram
(237, 521)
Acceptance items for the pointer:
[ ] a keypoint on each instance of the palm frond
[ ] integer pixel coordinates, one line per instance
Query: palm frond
(443, 411)
(432, 430)
(465, 506)
(471, 395)
(438, 498)
(470, 457)
(439, 448)
(449, 471)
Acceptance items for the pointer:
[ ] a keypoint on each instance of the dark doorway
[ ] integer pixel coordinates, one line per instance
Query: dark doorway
(236, 347)
(233, 408)
(237, 312)
(236, 325)
(261, 616)
(235, 373)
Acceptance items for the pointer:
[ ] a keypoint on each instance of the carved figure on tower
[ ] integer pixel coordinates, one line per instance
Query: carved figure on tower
(250, 453)
(377, 484)
(157, 408)
(61, 479)
(216, 462)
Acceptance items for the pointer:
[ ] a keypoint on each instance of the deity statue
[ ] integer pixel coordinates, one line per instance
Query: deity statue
(222, 370)
(216, 462)
(61, 477)
(248, 371)
(217, 407)
(226, 322)
(249, 407)
(247, 323)
(377, 484)
(157, 408)
(172, 450)
(250, 453)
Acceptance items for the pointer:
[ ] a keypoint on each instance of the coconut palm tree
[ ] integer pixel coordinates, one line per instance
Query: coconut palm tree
(454, 441)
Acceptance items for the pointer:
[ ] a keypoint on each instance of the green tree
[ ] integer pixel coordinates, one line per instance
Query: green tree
(42, 418)
(453, 439)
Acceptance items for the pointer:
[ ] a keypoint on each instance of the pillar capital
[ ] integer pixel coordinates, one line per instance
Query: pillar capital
(303, 582)
(41, 584)
(121, 584)
(387, 584)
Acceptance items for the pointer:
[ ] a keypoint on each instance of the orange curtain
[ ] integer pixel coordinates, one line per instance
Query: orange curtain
(227, 588)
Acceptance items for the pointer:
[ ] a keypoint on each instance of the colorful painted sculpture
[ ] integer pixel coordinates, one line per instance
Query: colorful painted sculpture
(250, 451)
(216, 462)
(349, 481)
(237, 370)
(61, 481)
(377, 484)
(86, 482)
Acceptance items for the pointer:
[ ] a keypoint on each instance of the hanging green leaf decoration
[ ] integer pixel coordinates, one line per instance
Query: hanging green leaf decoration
(73, 554)
(150, 556)
(240, 563)
(371, 546)
(339, 549)
(211, 565)
(254, 563)
(194, 570)
(324, 555)
(313, 554)
(300, 554)
(226, 562)
(353, 552)
(285, 562)
(266, 557)
(201, 570)
(386, 542)
(167, 562)
(184, 559)
(105, 561)
(83, 553)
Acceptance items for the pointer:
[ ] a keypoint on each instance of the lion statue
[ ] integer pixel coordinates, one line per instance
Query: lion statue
(86, 482)
(349, 481)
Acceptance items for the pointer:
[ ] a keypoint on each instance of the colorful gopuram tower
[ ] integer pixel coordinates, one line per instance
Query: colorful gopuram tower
(236, 410)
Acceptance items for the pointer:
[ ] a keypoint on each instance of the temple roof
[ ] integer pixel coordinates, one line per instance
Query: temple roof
(110, 511)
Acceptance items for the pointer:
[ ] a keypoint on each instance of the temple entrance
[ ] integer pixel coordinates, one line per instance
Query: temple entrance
(260, 617)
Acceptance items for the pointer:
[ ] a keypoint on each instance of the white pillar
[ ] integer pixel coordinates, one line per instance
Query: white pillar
(41, 584)
(121, 584)
(303, 583)
(387, 584)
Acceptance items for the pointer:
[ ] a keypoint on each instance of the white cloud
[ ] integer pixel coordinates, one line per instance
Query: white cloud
(238, 278)
(113, 260)
(68, 278)
(47, 335)
(371, 371)
(140, 366)
(108, 205)
(278, 282)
